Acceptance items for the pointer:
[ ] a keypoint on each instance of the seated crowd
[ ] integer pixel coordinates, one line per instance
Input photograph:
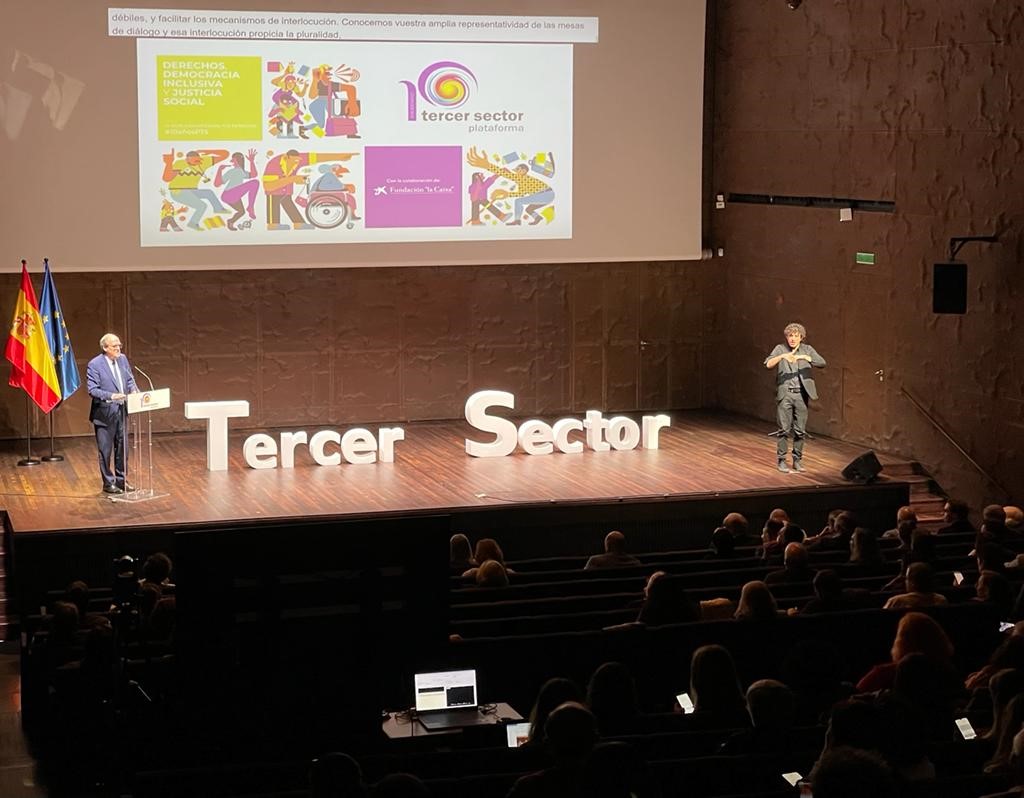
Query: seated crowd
(889, 730)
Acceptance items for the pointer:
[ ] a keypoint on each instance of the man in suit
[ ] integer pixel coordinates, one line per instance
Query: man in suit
(794, 388)
(110, 380)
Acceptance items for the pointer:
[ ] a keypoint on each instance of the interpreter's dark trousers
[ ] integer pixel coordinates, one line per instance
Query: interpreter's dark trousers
(792, 421)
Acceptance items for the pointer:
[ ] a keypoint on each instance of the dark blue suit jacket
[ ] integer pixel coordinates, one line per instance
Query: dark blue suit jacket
(101, 384)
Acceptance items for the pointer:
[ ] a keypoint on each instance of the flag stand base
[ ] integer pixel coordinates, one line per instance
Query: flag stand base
(53, 458)
(29, 461)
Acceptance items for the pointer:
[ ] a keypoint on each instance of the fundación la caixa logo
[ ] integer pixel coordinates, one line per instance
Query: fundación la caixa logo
(443, 84)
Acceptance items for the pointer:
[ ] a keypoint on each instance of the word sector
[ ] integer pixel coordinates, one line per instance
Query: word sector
(361, 446)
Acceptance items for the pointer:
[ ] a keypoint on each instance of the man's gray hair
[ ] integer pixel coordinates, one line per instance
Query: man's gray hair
(105, 339)
(794, 327)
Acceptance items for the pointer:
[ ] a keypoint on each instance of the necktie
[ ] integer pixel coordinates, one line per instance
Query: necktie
(117, 376)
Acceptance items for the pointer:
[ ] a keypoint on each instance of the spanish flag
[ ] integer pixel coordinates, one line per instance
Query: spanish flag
(31, 362)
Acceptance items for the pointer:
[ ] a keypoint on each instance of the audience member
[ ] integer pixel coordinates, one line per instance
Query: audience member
(79, 595)
(990, 556)
(830, 523)
(1011, 719)
(772, 709)
(831, 596)
(994, 518)
(1014, 518)
(486, 549)
(756, 603)
(723, 546)
(715, 689)
(933, 690)
(865, 556)
(1003, 687)
(791, 533)
(852, 773)
(916, 633)
(906, 515)
(813, 670)
(956, 515)
(843, 526)
(919, 587)
(460, 556)
(778, 514)
(667, 601)
(771, 541)
(614, 556)
(156, 570)
(569, 734)
(491, 573)
(904, 735)
(611, 696)
(795, 569)
(1010, 654)
(995, 589)
(1017, 766)
(553, 693)
(336, 775)
(739, 528)
(853, 723)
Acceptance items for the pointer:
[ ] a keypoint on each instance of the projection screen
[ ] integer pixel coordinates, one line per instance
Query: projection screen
(257, 135)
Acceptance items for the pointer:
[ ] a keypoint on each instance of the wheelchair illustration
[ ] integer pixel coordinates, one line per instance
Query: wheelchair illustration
(328, 202)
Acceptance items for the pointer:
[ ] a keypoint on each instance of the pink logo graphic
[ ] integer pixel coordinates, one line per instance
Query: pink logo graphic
(445, 84)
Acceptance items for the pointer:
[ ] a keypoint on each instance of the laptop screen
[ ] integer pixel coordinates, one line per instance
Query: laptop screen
(445, 690)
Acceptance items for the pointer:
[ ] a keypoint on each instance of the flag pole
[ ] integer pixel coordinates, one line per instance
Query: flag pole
(51, 457)
(30, 460)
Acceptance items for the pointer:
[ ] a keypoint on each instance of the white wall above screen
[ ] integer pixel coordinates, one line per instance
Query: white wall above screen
(621, 119)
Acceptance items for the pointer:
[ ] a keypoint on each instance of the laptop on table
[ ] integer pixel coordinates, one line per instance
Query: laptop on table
(447, 700)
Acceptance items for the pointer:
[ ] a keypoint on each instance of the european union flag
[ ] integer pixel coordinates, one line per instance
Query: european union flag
(57, 337)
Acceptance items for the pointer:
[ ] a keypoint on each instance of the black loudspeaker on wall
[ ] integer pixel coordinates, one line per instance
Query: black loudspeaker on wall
(949, 287)
(863, 469)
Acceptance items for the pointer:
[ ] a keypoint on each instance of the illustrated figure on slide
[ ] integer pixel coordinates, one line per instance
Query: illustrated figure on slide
(280, 176)
(183, 176)
(529, 192)
(333, 115)
(330, 200)
(286, 113)
(239, 183)
(478, 198)
(167, 212)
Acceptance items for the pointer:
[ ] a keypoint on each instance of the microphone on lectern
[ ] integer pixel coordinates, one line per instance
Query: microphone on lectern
(144, 374)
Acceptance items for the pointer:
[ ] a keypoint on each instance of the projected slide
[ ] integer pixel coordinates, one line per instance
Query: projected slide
(285, 142)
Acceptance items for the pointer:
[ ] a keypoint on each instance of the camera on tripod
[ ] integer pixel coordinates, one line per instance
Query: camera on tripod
(126, 584)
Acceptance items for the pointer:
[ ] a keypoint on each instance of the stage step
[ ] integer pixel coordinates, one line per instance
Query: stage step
(926, 495)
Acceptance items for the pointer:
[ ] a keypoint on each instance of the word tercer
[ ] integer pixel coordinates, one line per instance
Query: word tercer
(538, 437)
(262, 451)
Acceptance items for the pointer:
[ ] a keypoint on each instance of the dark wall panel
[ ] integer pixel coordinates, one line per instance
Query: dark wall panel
(911, 101)
(337, 346)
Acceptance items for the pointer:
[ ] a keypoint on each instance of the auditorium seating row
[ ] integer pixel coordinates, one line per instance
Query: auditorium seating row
(491, 771)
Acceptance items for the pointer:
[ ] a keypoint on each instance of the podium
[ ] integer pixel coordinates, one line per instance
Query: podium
(139, 457)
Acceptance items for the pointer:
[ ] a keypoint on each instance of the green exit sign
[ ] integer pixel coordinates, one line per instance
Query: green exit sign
(865, 258)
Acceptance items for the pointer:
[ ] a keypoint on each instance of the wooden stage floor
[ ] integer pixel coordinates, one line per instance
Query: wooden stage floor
(701, 453)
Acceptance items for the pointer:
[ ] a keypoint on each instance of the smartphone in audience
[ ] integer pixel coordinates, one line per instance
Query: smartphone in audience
(793, 778)
(958, 578)
(685, 703)
(965, 728)
(1005, 626)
